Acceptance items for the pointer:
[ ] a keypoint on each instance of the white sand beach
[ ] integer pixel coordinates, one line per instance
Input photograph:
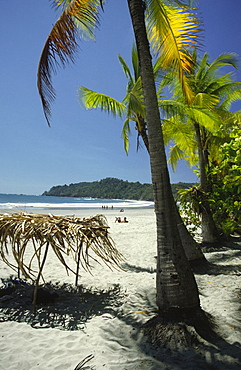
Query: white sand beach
(104, 318)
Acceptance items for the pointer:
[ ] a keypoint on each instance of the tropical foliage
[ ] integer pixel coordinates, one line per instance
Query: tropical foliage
(171, 27)
(224, 174)
(225, 177)
(78, 19)
(110, 188)
(198, 129)
(190, 207)
(181, 30)
(213, 94)
(131, 108)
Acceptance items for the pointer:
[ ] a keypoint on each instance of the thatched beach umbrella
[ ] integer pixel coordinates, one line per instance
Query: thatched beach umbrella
(84, 239)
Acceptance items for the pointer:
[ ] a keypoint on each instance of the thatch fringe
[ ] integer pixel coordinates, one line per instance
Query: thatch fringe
(85, 239)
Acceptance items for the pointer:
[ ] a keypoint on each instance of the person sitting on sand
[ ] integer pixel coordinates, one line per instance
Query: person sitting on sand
(118, 219)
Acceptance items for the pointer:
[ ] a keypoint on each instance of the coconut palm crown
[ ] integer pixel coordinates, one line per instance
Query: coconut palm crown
(213, 94)
(199, 128)
(171, 26)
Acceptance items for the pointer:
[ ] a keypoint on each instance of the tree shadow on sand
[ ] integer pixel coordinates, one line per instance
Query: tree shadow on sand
(226, 253)
(208, 349)
(68, 309)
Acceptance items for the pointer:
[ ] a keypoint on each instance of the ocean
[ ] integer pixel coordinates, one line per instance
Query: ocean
(36, 203)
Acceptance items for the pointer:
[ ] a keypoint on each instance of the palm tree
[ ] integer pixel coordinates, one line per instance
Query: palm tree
(132, 108)
(196, 128)
(177, 294)
(174, 294)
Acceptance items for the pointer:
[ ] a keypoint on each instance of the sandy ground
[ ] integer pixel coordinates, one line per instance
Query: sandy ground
(104, 317)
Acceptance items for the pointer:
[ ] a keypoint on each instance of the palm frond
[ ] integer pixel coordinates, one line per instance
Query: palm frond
(57, 4)
(126, 133)
(229, 90)
(135, 62)
(126, 69)
(171, 108)
(132, 106)
(132, 78)
(180, 132)
(134, 100)
(171, 31)
(204, 100)
(232, 97)
(201, 66)
(205, 117)
(222, 60)
(175, 155)
(61, 45)
(93, 100)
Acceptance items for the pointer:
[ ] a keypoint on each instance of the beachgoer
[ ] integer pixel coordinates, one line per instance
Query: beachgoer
(118, 219)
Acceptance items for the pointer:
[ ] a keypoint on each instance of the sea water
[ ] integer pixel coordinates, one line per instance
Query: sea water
(35, 203)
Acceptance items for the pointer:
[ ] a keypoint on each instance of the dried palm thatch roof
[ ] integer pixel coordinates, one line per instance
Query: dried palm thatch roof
(85, 239)
(65, 235)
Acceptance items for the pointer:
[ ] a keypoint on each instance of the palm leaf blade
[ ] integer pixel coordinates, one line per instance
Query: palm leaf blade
(61, 45)
(93, 100)
(172, 29)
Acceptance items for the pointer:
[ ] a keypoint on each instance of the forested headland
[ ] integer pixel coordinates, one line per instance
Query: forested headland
(110, 188)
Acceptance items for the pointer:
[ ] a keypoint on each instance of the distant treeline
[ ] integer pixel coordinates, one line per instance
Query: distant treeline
(110, 188)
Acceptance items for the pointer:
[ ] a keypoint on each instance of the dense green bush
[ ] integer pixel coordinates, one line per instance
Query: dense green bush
(225, 177)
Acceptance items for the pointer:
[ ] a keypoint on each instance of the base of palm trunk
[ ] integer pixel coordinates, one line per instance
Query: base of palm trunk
(178, 329)
(223, 241)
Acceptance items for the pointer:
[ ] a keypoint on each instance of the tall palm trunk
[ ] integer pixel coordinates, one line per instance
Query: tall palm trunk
(209, 230)
(191, 247)
(176, 286)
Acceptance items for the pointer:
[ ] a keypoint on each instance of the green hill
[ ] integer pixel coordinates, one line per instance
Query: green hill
(110, 188)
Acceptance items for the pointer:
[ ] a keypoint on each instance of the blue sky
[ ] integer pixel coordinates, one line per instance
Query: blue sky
(80, 145)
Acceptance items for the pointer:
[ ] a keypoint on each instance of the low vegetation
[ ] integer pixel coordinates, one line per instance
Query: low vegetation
(110, 188)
